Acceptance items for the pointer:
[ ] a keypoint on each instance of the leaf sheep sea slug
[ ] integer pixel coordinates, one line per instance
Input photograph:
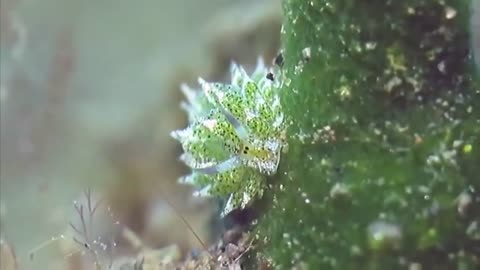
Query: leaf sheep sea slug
(234, 136)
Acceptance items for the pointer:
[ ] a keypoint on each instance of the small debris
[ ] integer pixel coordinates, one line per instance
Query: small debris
(384, 235)
(450, 13)
(457, 143)
(393, 82)
(306, 54)
(370, 45)
(339, 191)
(411, 10)
(418, 139)
(473, 230)
(441, 67)
(464, 200)
(233, 235)
(415, 266)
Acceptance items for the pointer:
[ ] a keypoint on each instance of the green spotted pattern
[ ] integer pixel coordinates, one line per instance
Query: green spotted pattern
(234, 137)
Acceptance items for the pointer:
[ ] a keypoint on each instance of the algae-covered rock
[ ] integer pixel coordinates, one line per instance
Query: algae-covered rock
(383, 162)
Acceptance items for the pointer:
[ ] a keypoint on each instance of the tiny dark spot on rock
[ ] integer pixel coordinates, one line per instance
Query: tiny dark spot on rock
(279, 60)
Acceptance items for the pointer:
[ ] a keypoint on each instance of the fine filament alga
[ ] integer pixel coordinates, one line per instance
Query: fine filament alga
(234, 136)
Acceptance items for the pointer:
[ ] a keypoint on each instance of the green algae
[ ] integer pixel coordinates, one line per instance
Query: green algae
(382, 106)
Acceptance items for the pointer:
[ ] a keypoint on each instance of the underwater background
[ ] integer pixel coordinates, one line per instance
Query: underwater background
(382, 158)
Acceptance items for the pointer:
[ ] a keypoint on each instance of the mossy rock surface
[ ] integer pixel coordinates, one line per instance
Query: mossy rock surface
(383, 163)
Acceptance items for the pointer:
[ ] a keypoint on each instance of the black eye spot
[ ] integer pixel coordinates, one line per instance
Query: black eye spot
(270, 76)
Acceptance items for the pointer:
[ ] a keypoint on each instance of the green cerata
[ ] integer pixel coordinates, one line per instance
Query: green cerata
(235, 135)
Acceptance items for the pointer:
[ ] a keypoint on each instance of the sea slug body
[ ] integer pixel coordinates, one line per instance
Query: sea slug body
(234, 137)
